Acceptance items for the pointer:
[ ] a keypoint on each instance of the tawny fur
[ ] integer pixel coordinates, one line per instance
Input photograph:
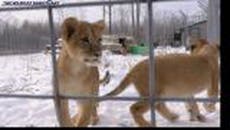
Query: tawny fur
(176, 75)
(200, 48)
(77, 74)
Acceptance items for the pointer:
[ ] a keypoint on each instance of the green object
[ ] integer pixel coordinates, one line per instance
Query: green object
(137, 49)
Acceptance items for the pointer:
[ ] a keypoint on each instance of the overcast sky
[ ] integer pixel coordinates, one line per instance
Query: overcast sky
(91, 13)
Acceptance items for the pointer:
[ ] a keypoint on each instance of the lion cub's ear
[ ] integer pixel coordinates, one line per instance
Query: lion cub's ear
(68, 28)
(99, 26)
(217, 46)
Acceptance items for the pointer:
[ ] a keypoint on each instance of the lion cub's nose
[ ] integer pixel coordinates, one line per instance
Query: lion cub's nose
(98, 54)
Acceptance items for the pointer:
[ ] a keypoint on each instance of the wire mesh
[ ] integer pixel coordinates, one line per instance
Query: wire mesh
(57, 97)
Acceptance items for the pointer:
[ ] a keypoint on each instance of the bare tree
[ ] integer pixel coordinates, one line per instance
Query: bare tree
(203, 4)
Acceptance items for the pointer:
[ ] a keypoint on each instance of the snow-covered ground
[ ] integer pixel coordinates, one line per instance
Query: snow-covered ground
(32, 74)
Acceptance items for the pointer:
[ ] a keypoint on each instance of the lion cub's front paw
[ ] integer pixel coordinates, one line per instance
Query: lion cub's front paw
(74, 119)
(94, 120)
(199, 117)
(173, 117)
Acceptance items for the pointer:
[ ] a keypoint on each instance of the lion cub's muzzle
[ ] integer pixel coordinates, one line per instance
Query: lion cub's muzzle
(93, 60)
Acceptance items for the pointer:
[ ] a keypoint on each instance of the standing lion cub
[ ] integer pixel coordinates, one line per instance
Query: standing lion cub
(78, 74)
(176, 75)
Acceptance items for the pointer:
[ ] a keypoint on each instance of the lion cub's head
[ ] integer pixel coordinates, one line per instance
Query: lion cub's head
(202, 46)
(82, 40)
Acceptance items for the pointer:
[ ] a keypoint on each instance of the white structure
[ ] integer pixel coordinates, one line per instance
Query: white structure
(213, 27)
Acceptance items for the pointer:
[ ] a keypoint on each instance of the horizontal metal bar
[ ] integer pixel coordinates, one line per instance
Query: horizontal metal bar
(26, 96)
(98, 98)
(101, 3)
(78, 4)
(94, 3)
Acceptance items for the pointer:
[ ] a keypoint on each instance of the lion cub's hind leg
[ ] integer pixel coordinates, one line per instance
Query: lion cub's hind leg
(165, 112)
(85, 111)
(209, 107)
(195, 114)
(65, 116)
(94, 117)
(137, 110)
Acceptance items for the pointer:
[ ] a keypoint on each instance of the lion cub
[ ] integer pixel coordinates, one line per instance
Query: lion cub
(199, 47)
(176, 75)
(78, 74)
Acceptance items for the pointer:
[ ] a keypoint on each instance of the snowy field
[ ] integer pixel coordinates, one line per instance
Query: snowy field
(32, 74)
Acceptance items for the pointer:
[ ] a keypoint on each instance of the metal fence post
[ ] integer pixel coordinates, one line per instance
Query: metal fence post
(213, 27)
(133, 19)
(110, 18)
(138, 21)
(151, 63)
(57, 100)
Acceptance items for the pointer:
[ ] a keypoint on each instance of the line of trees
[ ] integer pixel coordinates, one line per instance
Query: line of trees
(27, 38)
(33, 37)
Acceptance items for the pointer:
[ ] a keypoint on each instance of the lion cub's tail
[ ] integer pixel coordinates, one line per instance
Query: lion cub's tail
(122, 86)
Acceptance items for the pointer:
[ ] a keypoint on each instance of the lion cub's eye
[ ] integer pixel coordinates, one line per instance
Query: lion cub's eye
(99, 40)
(85, 40)
(193, 47)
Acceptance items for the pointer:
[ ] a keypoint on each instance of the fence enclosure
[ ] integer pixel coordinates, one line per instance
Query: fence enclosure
(53, 38)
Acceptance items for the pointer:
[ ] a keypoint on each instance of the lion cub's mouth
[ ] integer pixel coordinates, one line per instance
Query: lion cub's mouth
(92, 61)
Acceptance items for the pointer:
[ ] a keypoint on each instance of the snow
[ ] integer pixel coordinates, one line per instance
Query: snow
(32, 74)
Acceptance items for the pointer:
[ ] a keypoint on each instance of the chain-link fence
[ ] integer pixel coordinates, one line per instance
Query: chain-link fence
(53, 38)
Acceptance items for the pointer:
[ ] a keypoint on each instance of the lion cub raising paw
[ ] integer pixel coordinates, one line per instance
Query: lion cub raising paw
(78, 74)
